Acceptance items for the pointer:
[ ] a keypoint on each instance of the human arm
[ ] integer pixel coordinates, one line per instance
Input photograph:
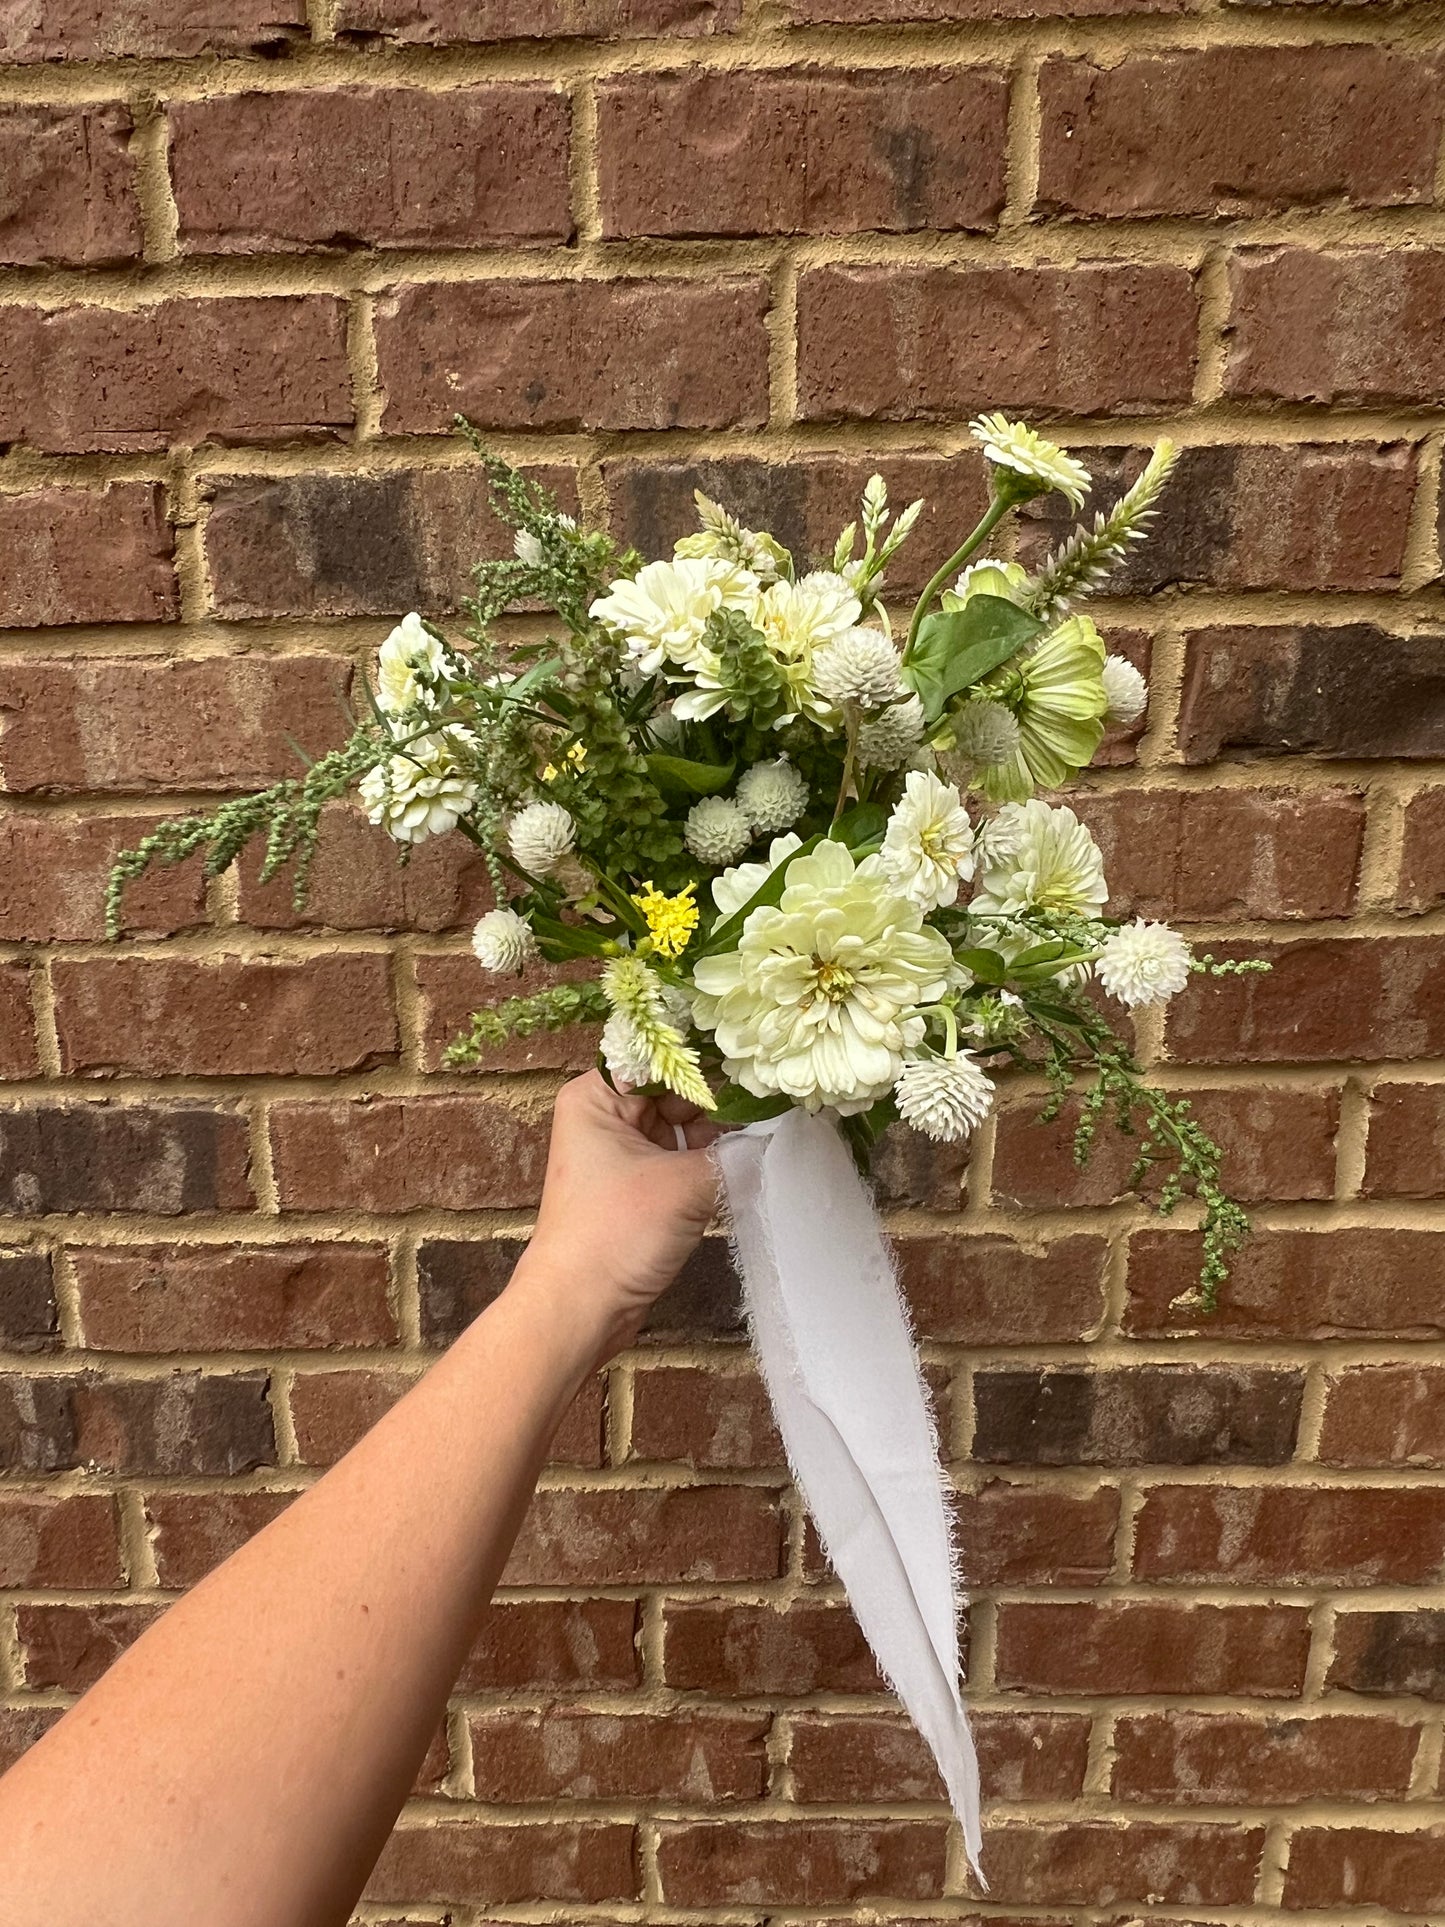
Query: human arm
(245, 1760)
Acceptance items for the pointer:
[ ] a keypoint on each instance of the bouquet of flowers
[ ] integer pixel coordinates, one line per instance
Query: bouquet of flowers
(806, 855)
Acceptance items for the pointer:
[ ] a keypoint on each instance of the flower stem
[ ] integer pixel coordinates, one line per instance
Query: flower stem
(851, 723)
(997, 509)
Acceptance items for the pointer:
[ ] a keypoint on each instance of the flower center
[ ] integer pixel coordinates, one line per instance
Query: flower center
(833, 981)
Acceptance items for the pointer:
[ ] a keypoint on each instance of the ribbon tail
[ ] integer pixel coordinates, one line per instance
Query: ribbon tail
(837, 1357)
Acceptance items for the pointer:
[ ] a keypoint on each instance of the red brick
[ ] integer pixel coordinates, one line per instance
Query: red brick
(1221, 855)
(18, 1054)
(803, 501)
(1405, 1152)
(561, 1754)
(936, 343)
(1136, 1415)
(357, 883)
(1321, 1000)
(1031, 1534)
(1309, 516)
(29, 1317)
(223, 1016)
(343, 544)
(247, 369)
(195, 1298)
(1361, 1867)
(477, 1860)
(1103, 1862)
(800, 1864)
(91, 30)
(1237, 1759)
(1237, 130)
(20, 1728)
(145, 725)
(1356, 326)
(618, 1536)
(734, 1650)
(1136, 1646)
(554, 1646)
(162, 1159)
(1351, 1282)
(703, 1418)
(86, 555)
(52, 888)
(802, 153)
(435, 23)
(50, 1539)
(330, 1411)
(1298, 690)
(190, 1533)
(1390, 1653)
(990, 1290)
(1385, 1415)
(469, 167)
(69, 1647)
(861, 1759)
(1292, 1535)
(1278, 1144)
(460, 1153)
(186, 1425)
(70, 185)
(1422, 860)
(627, 353)
(910, 1171)
(37, 1423)
(451, 986)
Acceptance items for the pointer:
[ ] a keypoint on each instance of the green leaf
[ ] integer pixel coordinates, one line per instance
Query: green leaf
(679, 776)
(737, 1106)
(724, 936)
(956, 648)
(538, 673)
(986, 965)
(558, 940)
(863, 823)
(1040, 953)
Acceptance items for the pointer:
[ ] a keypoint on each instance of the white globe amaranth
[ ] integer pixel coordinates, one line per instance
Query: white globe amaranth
(502, 940)
(424, 792)
(893, 737)
(861, 666)
(540, 836)
(527, 548)
(1143, 963)
(717, 830)
(1126, 690)
(820, 1000)
(625, 1051)
(985, 733)
(1039, 857)
(928, 844)
(944, 1097)
(408, 666)
(773, 795)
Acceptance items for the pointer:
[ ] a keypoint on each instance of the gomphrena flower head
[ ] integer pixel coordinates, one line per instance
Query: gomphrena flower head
(502, 940)
(718, 830)
(985, 733)
(944, 1097)
(861, 666)
(1125, 689)
(773, 795)
(893, 737)
(1024, 464)
(1144, 963)
(670, 920)
(540, 836)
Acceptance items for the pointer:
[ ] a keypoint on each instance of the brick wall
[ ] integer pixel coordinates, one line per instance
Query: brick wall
(256, 256)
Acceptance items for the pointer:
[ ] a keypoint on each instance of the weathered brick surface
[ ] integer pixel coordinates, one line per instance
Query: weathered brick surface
(257, 258)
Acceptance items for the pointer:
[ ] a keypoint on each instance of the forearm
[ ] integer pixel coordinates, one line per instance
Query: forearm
(270, 1725)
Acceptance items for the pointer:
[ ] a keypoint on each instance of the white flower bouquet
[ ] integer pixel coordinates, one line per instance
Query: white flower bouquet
(806, 853)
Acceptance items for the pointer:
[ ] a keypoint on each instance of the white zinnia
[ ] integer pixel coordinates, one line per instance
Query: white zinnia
(1020, 449)
(718, 830)
(540, 836)
(819, 1002)
(662, 612)
(1037, 857)
(928, 845)
(1143, 963)
(421, 793)
(740, 885)
(890, 739)
(503, 941)
(860, 666)
(796, 619)
(773, 795)
(944, 1097)
(1126, 690)
(985, 733)
(409, 649)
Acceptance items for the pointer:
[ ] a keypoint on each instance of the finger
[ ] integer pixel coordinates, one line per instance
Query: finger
(700, 1132)
(677, 1110)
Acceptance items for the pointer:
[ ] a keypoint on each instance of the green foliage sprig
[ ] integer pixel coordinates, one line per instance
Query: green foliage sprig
(552, 1009)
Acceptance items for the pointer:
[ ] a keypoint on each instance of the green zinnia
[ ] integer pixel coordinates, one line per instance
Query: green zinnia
(1058, 698)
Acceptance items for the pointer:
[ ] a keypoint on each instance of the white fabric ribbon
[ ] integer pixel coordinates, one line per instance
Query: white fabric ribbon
(837, 1356)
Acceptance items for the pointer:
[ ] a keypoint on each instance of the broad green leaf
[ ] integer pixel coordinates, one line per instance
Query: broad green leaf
(677, 774)
(1040, 953)
(986, 965)
(558, 940)
(737, 1106)
(724, 935)
(864, 823)
(955, 648)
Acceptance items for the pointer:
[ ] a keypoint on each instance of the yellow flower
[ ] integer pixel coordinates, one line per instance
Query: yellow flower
(670, 920)
(576, 756)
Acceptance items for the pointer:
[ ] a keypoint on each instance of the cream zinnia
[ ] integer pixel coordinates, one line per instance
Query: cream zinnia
(1040, 858)
(928, 845)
